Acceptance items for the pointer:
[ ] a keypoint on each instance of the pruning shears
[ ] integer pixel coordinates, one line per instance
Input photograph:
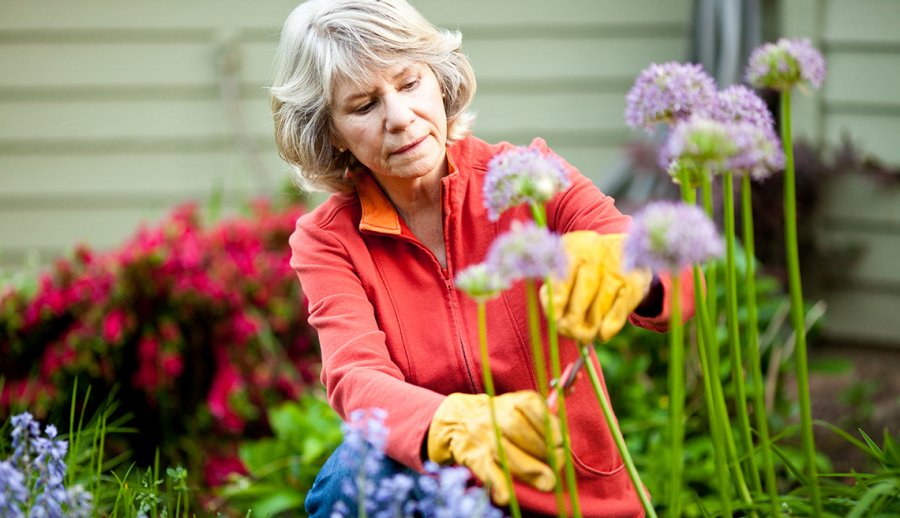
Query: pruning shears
(566, 380)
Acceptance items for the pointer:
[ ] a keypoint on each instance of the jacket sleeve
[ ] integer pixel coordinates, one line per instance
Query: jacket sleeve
(584, 207)
(357, 370)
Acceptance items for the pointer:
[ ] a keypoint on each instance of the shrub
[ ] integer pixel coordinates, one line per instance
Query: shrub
(201, 327)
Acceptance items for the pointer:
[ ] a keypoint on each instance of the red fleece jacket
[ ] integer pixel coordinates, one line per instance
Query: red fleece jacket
(396, 334)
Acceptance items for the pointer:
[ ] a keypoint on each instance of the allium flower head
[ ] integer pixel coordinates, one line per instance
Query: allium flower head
(527, 251)
(668, 236)
(668, 93)
(785, 64)
(757, 152)
(699, 144)
(522, 175)
(737, 103)
(480, 282)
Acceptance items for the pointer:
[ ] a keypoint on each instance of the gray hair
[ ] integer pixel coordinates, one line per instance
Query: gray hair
(326, 41)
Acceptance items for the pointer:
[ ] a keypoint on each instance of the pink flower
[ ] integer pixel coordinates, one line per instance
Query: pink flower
(114, 326)
(147, 375)
(219, 470)
(172, 364)
(226, 382)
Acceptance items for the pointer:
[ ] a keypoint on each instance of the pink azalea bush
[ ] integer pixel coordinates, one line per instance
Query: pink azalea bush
(200, 328)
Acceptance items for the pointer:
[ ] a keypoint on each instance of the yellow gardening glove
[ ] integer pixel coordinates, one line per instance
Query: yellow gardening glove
(596, 297)
(461, 432)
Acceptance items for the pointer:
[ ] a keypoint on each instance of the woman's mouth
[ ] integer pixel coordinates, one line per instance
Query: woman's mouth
(409, 147)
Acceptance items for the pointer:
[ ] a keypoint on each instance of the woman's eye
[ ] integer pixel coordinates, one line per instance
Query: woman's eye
(365, 108)
(411, 84)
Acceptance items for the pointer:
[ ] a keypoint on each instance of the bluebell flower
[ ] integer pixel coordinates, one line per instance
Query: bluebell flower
(440, 493)
(24, 430)
(32, 480)
(13, 493)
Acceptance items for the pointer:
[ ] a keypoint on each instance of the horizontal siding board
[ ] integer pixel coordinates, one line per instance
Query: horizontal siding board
(549, 112)
(168, 14)
(876, 265)
(127, 119)
(110, 64)
(861, 201)
(872, 21)
(591, 58)
(863, 316)
(148, 174)
(163, 120)
(186, 66)
(876, 133)
(89, 15)
(100, 227)
(845, 83)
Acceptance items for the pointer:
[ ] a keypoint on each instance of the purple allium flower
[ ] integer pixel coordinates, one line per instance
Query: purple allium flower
(527, 251)
(737, 103)
(785, 64)
(480, 282)
(699, 146)
(13, 493)
(668, 93)
(758, 153)
(668, 236)
(759, 150)
(522, 175)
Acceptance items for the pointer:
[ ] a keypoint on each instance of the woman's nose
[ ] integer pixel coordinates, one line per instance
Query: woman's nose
(398, 113)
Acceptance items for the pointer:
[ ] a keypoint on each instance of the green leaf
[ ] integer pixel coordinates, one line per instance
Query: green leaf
(278, 502)
(862, 507)
(832, 366)
(257, 455)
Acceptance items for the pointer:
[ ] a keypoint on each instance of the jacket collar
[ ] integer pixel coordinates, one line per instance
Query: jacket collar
(378, 213)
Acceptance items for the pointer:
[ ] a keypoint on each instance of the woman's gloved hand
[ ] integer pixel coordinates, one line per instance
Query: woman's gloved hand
(461, 432)
(596, 297)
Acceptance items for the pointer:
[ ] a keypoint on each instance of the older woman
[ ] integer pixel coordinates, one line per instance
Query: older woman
(370, 103)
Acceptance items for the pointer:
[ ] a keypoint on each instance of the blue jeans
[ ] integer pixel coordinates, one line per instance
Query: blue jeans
(327, 490)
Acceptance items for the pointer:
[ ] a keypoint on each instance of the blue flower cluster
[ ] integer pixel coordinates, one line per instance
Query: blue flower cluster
(31, 480)
(442, 492)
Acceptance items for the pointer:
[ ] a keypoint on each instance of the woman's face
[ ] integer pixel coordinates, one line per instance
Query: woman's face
(395, 123)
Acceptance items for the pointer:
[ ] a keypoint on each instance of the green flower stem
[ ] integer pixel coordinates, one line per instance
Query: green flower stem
(714, 424)
(571, 480)
(617, 433)
(676, 397)
(796, 289)
(712, 266)
(719, 413)
(734, 336)
(489, 387)
(540, 367)
(710, 370)
(753, 355)
(539, 213)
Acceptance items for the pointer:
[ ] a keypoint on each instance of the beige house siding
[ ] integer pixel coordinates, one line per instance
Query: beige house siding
(112, 112)
(860, 98)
